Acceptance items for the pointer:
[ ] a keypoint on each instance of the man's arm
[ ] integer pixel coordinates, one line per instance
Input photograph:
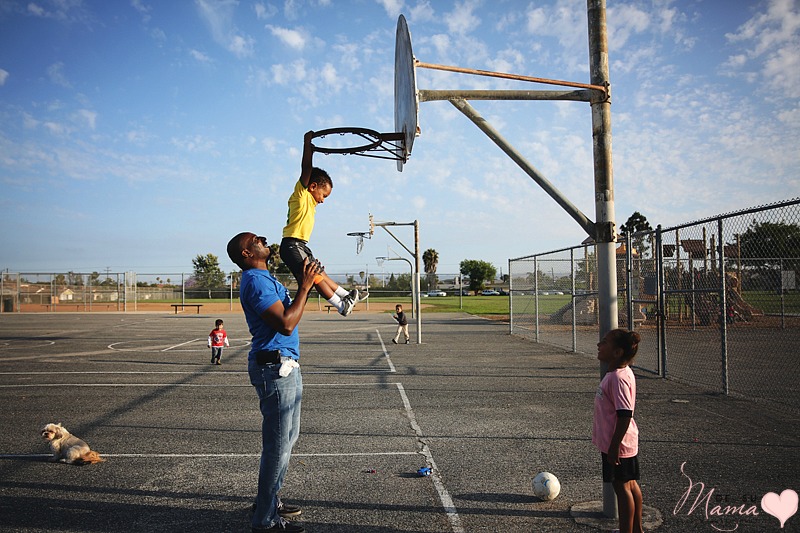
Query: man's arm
(285, 319)
(308, 157)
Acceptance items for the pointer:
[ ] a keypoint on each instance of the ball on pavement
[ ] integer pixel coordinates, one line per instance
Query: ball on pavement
(546, 486)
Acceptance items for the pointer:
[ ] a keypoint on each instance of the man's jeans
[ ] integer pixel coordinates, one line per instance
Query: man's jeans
(279, 400)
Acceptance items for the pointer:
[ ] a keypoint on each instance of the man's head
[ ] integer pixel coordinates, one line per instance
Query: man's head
(248, 250)
(398, 308)
(320, 184)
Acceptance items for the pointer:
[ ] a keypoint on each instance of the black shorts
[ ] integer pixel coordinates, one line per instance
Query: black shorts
(293, 252)
(626, 470)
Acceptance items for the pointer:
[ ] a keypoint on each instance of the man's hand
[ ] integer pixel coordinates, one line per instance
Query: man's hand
(310, 271)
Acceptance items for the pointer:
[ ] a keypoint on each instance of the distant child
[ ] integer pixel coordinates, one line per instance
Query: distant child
(311, 189)
(614, 431)
(402, 323)
(216, 340)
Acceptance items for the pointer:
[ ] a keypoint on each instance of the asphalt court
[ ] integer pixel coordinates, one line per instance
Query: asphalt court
(485, 409)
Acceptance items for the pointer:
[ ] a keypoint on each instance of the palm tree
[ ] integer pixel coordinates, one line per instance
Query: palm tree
(430, 258)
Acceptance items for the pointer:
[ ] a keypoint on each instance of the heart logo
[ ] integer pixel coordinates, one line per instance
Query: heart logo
(782, 507)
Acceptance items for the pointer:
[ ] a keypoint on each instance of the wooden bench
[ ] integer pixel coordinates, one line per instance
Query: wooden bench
(182, 306)
(329, 307)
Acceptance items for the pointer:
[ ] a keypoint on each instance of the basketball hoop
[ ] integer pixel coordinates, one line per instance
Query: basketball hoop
(359, 235)
(359, 141)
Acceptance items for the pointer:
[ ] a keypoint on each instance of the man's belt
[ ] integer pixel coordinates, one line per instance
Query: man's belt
(268, 357)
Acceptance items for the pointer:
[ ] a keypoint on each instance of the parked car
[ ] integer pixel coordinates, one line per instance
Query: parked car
(489, 292)
(437, 293)
(503, 292)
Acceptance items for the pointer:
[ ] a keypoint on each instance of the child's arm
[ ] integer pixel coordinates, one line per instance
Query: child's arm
(308, 157)
(620, 428)
(209, 341)
(226, 341)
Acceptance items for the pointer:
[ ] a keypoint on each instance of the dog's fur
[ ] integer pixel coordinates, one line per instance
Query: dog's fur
(68, 448)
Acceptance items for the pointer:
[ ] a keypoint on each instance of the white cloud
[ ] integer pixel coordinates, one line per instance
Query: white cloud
(624, 21)
(89, 117)
(200, 56)
(283, 74)
(393, 7)
(291, 38)
(772, 40)
(3, 76)
(143, 9)
(462, 19)
(56, 74)
(218, 15)
(264, 12)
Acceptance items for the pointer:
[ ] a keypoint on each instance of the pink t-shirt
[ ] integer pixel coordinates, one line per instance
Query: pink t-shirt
(616, 391)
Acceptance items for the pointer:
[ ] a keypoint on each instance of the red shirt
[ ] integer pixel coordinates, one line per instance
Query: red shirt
(218, 338)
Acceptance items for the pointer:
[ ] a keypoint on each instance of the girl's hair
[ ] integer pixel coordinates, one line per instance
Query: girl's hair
(218, 322)
(627, 341)
(320, 177)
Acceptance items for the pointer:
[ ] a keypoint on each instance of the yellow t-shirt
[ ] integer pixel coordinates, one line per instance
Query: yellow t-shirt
(302, 210)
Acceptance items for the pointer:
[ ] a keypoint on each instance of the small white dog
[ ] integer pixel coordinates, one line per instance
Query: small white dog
(68, 448)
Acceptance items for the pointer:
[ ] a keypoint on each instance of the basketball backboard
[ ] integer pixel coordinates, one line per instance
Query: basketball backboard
(406, 97)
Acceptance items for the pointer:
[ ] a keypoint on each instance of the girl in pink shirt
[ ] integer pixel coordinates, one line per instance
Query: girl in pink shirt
(614, 430)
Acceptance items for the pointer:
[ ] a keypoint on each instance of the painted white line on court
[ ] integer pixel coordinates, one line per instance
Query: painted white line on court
(385, 353)
(179, 345)
(444, 496)
(192, 385)
(208, 455)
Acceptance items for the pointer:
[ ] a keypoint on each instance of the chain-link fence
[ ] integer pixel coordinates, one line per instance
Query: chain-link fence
(716, 300)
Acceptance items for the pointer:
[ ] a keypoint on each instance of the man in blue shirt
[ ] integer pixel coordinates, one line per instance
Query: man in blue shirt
(272, 317)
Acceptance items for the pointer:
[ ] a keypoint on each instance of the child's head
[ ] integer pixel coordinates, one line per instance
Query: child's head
(619, 346)
(398, 307)
(320, 184)
(219, 323)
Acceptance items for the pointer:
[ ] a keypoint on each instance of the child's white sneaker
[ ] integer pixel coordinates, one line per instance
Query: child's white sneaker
(347, 306)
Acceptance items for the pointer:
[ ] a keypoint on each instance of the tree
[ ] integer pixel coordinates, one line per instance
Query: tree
(636, 225)
(478, 272)
(207, 274)
(430, 259)
(766, 249)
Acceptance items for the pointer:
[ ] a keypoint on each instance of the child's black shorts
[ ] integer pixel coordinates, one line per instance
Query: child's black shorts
(293, 252)
(626, 470)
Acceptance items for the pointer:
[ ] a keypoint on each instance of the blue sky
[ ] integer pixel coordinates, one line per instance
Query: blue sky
(135, 134)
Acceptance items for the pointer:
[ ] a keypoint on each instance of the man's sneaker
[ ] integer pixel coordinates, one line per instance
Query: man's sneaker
(347, 305)
(282, 525)
(394, 341)
(286, 510)
(407, 341)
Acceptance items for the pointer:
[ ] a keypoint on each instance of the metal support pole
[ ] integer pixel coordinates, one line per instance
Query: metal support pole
(417, 260)
(604, 193)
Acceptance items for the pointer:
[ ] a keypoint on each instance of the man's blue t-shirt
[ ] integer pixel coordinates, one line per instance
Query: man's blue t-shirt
(259, 291)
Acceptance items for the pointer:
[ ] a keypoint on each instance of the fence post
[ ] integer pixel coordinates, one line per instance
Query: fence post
(661, 305)
(572, 293)
(536, 294)
(629, 279)
(510, 299)
(723, 308)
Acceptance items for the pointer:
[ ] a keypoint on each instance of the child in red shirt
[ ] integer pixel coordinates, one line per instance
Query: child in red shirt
(216, 340)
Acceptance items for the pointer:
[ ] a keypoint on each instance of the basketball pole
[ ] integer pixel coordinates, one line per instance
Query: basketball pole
(603, 195)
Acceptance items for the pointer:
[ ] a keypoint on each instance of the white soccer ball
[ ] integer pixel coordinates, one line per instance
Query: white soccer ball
(546, 486)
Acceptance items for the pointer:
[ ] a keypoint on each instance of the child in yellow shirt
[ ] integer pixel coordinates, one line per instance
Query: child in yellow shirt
(313, 187)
